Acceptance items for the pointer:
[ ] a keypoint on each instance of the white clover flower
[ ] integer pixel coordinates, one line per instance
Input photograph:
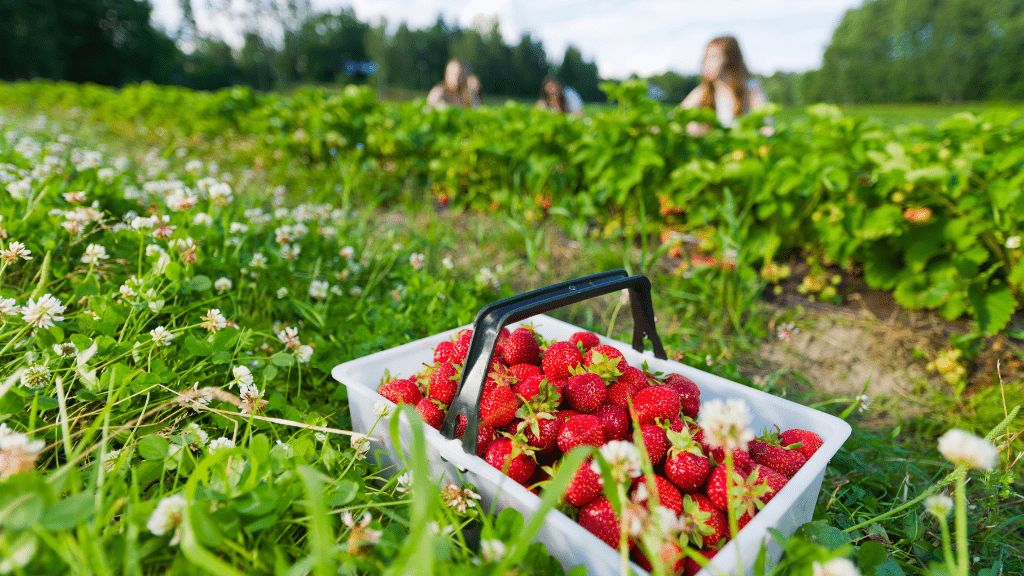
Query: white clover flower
(961, 447)
(416, 260)
(252, 399)
(360, 531)
(65, 349)
(290, 337)
(167, 517)
(304, 353)
(448, 263)
(436, 530)
(397, 246)
(361, 445)
(318, 289)
(258, 261)
(355, 291)
(94, 253)
(282, 292)
(381, 409)
(320, 436)
(403, 483)
(220, 193)
(222, 285)
(291, 251)
(459, 498)
(220, 444)
(835, 567)
(488, 278)
(127, 292)
(44, 312)
(9, 307)
(726, 424)
(242, 377)
(153, 249)
(18, 452)
(77, 197)
(112, 463)
(939, 505)
(35, 376)
(162, 262)
(1013, 242)
(214, 321)
(622, 458)
(347, 252)
(864, 403)
(161, 336)
(238, 228)
(202, 219)
(195, 436)
(492, 550)
(14, 251)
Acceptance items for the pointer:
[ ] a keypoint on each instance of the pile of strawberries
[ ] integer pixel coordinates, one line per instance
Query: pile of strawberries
(542, 399)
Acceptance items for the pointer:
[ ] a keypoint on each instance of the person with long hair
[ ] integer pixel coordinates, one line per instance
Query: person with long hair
(726, 86)
(556, 97)
(459, 87)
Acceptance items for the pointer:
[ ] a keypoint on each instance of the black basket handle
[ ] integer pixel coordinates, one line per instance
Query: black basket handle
(495, 316)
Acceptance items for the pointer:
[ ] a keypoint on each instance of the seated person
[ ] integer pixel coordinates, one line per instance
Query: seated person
(457, 89)
(726, 86)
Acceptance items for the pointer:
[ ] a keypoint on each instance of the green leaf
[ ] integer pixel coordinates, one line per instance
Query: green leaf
(282, 359)
(870, 555)
(198, 347)
(69, 512)
(992, 307)
(880, 222)
(200, 283)
(891, 568)
(268, 521)
(344, 492)
(931, 173)
(153, 447)
(820, 532)
(225, 339)
(19, 511)
(221, 357)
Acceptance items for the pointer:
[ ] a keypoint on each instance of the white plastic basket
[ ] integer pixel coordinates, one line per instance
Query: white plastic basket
(565, 539)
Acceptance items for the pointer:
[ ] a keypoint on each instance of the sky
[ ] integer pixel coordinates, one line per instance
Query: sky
(622, 36)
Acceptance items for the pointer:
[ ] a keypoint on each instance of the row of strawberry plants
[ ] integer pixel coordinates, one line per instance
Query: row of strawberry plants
(933, 215)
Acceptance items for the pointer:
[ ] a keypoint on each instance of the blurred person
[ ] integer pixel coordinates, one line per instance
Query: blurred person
(726, 86)
(554, 96)
(459, 87)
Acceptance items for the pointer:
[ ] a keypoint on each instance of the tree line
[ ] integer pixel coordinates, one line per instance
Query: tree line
(883, 51)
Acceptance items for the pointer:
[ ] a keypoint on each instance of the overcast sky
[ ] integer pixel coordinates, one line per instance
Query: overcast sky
(622, 36)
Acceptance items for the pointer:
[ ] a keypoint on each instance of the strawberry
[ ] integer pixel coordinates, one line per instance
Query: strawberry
(614, 422)
(460, 428)
(715, 487)
(770, 478)
(521, 348)
(692, 567)
(701, 524)
(512, 459)
(655, 442)
(498, 406)
(432, 412)
(605, 352)
(461, 350)
(689, 394)
(541, 432)
(584, 486)
(585, 392)
(400, 391)
(783, 460)
(444, 351)
(686, 465)
(529, 386)
(621, 394)
(485, 434)
(560, 359)
(580, 430)
(809, 441)
(740, 458)
(524, 371)
(585, 340)
(668, 494)
(444, 382)
(671, 555)
(755, 448)
(655, 402)
(599, 519)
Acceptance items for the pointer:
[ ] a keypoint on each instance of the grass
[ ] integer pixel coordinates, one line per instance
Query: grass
(282, 499)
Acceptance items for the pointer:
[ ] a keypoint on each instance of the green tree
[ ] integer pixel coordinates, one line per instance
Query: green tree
(580, 75)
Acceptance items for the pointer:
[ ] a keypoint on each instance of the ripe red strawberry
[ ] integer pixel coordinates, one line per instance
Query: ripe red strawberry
(501, 375)
(740, 458)
(605, 351)
(715, 488)
(585, 392)
(529, 386)
(584, 486)
(655, 402)
(521, 348)
(509, 457)
(431, 411)
(485, 434)
(560, 359)
(621, 393)
(655, 442)
(671, 555)
(580, 430)
(614, 421)
(541, 432)
(498, 406)
(668, 494)
(461, 350)
(599, 519)
(524, 371)
(444, 351)
(701, 524)
(689, 394)
(400, 391)
(783, 460)
(809, 441)
(444, 381)
(686, 465)
(585, 340)
(460, 428)
(755, 447)
(770, 478)
(692, 567)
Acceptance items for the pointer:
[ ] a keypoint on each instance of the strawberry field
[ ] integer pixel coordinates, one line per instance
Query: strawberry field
(179, 273)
